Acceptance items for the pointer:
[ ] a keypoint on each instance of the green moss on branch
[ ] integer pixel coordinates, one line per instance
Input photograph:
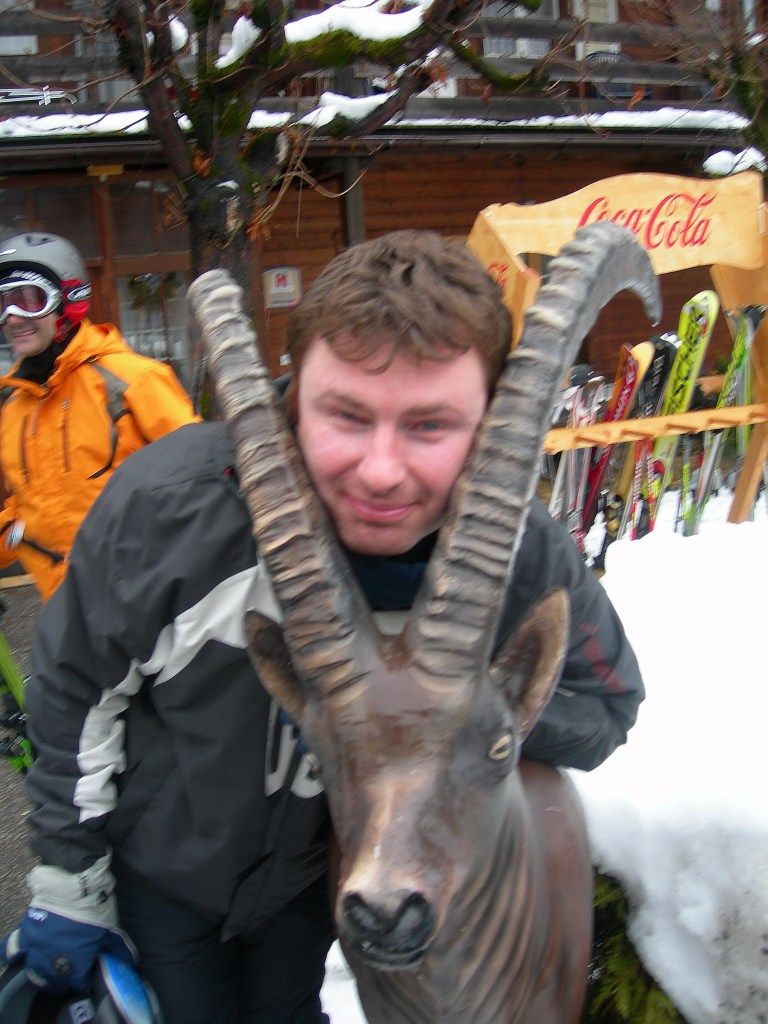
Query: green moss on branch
(505, 83)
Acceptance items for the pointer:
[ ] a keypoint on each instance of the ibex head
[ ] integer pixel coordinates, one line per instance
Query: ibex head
(417, 735)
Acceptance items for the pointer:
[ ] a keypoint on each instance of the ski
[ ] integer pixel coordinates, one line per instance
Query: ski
(746, 323)
(647, 401)
(578, 374)
(14, 745)
(697, 320)
(581, 402)
(633, 365)
(571, 480)
(689, 473)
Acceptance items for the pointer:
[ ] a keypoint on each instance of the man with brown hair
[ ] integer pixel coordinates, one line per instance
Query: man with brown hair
(171, 795)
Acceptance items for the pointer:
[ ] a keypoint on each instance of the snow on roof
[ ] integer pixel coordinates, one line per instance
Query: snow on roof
(646, 120)
(725, 162)
(134, 122)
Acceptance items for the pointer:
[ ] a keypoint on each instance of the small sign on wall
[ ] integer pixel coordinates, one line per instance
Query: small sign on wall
(282, 287)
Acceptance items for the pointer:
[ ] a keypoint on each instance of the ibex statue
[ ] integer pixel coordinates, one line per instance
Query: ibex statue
(464, 880)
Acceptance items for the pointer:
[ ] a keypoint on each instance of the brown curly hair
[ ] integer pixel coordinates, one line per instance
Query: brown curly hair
(407, 291)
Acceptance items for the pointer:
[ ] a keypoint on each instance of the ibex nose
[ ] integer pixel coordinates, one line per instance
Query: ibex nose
(395, 933)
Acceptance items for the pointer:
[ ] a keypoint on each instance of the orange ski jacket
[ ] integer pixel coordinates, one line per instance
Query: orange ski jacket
(60, 442)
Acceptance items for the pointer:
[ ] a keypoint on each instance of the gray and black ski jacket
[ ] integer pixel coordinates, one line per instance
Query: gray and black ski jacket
(153, 734)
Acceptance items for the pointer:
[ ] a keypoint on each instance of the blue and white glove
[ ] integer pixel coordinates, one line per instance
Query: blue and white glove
(72, 918)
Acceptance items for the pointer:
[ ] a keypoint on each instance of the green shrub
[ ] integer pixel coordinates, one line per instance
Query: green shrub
(620, 990)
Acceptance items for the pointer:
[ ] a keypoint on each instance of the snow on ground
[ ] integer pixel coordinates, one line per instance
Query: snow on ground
(679, 814)
(339, 994)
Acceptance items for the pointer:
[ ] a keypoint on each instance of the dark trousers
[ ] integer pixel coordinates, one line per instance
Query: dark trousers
(271, 975)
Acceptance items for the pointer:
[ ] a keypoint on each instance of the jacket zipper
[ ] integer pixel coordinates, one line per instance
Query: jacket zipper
(65, 435)
(23, 448)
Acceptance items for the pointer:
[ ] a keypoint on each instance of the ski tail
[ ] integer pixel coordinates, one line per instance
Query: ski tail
(14, 745)
(648, 398)
(634, 362)
(582, 401)
(744, 325)
(576, 461)
(697, 321)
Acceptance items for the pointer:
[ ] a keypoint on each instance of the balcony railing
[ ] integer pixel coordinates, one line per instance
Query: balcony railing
(73, 64)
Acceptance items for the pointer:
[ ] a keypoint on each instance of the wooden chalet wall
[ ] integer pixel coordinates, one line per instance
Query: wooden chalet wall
(127, 229)
(444, 190)
(305, 232)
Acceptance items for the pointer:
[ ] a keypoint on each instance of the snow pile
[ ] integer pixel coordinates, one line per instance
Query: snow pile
(679, 815)
(724, 163)
(339, 994)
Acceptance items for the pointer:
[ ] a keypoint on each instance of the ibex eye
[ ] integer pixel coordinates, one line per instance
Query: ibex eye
(502, 748)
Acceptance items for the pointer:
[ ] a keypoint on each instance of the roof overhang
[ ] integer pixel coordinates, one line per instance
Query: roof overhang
(30, 143)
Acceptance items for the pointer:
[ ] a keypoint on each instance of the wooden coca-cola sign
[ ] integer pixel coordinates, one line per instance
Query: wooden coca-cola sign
(682, 222)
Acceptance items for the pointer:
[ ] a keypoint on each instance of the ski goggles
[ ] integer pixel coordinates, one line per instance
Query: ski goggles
(28, 300)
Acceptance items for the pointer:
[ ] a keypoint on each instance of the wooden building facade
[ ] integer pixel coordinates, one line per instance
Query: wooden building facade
(447, 159)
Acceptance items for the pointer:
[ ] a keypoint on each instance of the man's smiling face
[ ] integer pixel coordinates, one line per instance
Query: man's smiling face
(384, 448)
(29, 336)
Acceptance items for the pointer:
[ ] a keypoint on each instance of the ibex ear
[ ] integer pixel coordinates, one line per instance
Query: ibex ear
(269, 655)
(527, 665)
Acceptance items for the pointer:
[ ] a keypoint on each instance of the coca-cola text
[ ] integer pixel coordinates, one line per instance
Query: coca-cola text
(677, 220)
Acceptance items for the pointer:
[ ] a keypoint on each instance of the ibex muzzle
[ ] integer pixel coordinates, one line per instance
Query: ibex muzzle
(464, 890)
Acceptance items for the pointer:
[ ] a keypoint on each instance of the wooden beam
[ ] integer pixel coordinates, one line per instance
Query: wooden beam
(622, 431)
(155, 263)
(750, 476)
(636, 72)
(740, 288)
(101, 200)
(637, 33)
(352, 200)
(35, 68)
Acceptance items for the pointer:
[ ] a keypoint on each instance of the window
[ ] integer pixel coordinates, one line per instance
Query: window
(15, 46)
(602, 12)
(506, 46)
(153, 316)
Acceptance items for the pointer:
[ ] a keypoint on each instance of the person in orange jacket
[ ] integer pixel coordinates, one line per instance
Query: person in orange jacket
(80, 402)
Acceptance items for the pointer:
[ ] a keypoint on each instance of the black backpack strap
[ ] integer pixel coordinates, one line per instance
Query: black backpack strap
(115, 388)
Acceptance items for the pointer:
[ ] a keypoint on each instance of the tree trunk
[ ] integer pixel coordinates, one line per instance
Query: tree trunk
(218, 213)
(222, 208)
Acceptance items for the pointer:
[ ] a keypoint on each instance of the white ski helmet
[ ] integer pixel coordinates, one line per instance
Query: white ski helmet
(56, 260)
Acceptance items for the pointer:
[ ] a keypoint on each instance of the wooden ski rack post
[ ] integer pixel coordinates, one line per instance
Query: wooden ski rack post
(682, 222)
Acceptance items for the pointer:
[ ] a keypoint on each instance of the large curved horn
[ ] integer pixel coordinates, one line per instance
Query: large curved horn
(322, 606)
(456, 614)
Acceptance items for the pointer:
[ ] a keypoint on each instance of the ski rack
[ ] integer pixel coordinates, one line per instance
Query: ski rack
(683, 223)
(565, 438)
